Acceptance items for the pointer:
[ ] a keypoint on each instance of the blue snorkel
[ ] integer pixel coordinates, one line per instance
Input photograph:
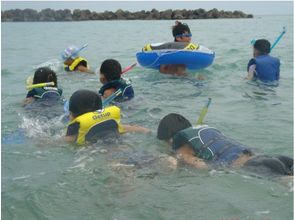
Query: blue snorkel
(109, 99)
(284, 31)
(66, 58)
(113, 96)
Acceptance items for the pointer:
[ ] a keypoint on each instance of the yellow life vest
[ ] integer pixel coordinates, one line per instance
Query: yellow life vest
(94, 124)
(72, 66)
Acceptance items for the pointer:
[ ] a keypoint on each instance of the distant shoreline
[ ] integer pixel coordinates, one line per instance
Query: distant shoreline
(31, 15)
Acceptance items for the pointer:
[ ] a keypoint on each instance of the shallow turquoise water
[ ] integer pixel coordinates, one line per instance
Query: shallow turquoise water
(43, 178)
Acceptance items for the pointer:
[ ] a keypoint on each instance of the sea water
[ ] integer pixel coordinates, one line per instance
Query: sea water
(45, 178)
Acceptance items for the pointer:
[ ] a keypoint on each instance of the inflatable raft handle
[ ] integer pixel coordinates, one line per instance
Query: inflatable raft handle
(113, 96)
(199, 122)
(40, 85)
(75, 52)
(284, 31)
(127, 69)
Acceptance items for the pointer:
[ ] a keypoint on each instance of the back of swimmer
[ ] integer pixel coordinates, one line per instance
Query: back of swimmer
(263, 66)
(72, 60)
(110, 77)
(89, 122)
(44, 102)
(43, 75)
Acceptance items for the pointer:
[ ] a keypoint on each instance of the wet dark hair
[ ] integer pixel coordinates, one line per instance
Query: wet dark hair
(180, 29)
(262, 46)
(83, 101)
(170, 125)
(111, 69)
(43, 75)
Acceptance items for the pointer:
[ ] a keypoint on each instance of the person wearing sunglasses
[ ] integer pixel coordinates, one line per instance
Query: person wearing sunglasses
(263, 66)
(181, 33)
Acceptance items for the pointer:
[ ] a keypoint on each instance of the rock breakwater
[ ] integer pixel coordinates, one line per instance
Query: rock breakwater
(30, 15)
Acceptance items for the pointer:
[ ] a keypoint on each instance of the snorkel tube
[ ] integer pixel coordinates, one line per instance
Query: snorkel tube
(199, 122)
(284, 31)
(40, 85)
(74, 53)
(127, 69)
(113, 96)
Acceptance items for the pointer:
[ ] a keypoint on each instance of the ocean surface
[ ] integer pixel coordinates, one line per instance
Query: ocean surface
(45, 178)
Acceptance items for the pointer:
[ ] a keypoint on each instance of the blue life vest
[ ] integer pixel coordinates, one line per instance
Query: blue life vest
(124, 84)
(267, 67)
(210, 144)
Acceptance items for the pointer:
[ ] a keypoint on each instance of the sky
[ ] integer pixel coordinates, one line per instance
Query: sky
(248, 7)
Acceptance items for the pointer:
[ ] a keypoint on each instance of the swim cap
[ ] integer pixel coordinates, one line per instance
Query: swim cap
(69, 51)
(262, 46)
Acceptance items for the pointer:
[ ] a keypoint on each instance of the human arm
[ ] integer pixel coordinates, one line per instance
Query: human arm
(187, 155)
(109, 92)
(136, 129)
(70, 138)
(29, 100)
(30, 97)
(163, 69)
(251, 71)
(71, 131)
(83, 69)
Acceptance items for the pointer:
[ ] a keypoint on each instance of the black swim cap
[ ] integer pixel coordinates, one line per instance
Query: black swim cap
(83, 101)
(262, 46)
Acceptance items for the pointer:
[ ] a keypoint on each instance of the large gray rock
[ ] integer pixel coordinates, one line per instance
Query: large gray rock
(109, 15)
(154, 15)
(177, 15)
(166, 15)
(30, 15)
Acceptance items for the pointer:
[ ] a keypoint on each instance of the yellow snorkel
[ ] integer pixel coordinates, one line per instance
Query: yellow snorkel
(199, 122)
(41, 85)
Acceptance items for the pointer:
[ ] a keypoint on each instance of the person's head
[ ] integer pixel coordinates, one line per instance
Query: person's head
(170, 125)
(83, 101)
(110, 70)
(69, 51)
(182, 33)
(261, 47)
(45, 74)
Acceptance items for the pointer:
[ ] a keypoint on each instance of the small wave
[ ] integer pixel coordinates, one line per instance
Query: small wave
(53, 64)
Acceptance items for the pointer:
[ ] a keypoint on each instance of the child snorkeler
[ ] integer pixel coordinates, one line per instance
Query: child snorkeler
(44, 101)
(263, 66)
(89, 122)
(203, 146)
(110, 77)
(43, 75)
(73, 62)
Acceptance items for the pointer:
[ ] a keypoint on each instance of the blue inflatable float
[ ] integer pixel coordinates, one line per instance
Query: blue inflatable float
(194, 56)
